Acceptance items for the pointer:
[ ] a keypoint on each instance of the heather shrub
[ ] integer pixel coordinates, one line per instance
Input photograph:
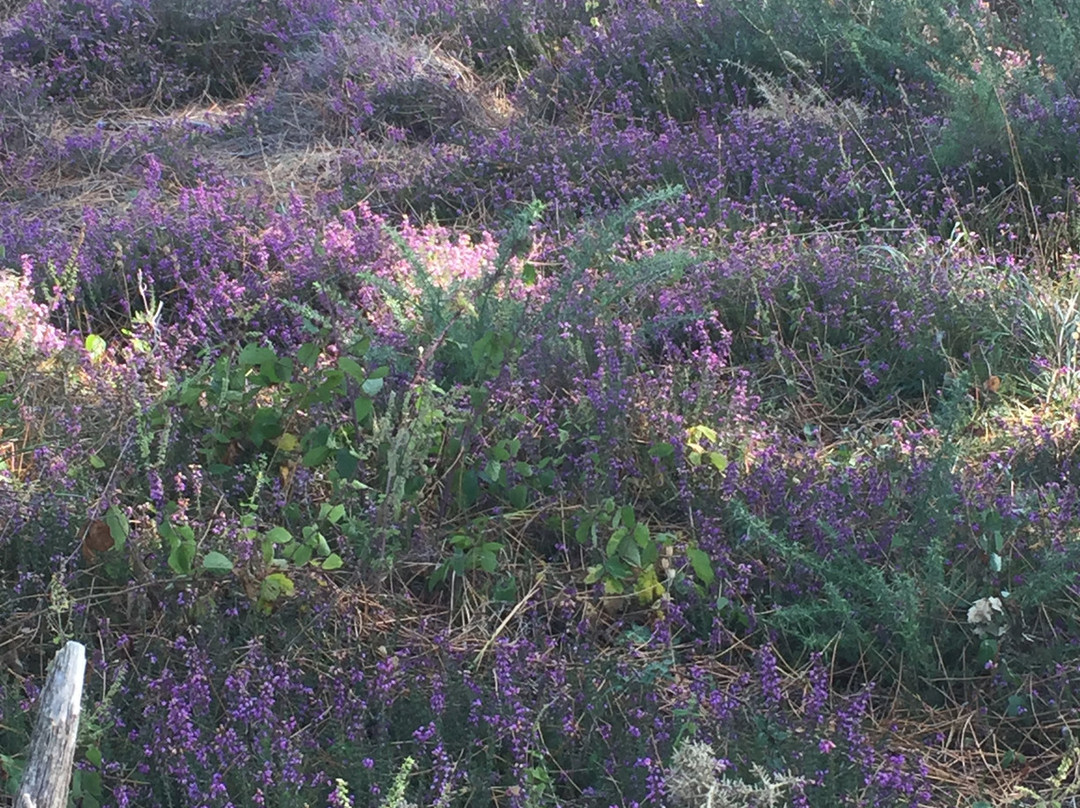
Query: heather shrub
(154, 52)
(681, 59)
(367, 84)
(502, 40)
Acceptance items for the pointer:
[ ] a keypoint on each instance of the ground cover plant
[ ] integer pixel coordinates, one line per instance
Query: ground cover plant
(550, 403)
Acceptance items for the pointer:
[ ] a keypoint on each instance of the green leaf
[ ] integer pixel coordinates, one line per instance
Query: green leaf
(372, 386)
(351, 367)
(265, 425)
(582, 531)
(649, 553)
(719, 460)
(93, 755)
(360, 347)
(488, 561)
(702, 565)
(662, 450)
(617, 568)
(363, 408)
(492, 471)
(278, 535)
(253, 354)
(332, 562)
(95, 346)
(626, 516)
(302, 555)
(614, 541)
(315, 456)
(275, 585)
(119, 527)
(97, 462)
(505, 590)
(335, 514)
(595, 574)
(345, 463)
(519, 496)
(217, 562)
(641, 534)
(469, 491)
(630, 552)
(438, 576)
(988, 650)
(182, 558)
(308, 354)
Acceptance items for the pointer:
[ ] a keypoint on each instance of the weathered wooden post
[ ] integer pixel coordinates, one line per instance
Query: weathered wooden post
(47, 776)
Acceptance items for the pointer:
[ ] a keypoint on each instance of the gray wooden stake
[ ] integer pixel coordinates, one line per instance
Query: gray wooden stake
(47, 776)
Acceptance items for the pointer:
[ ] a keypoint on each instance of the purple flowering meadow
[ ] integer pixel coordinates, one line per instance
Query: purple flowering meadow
(534, 403)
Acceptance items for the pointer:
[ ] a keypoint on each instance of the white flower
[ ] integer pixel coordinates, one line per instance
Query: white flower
(982, 613)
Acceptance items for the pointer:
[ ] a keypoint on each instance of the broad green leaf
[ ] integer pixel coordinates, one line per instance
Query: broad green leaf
(519, 496)
(641, 534)
(308, 354)
(363, 408)
(216, 561)
(287, 442)
(302, 555)
(335, 514)
(332, 562)
(352, 368)
(278, 535)
(719, 460)
(618, 568)
(97, 462)
(95, 346)
(469, 492)
(182, 558)
(702, 565)
(438, 576)
(315, 456)
(372, 386)
(505, 591)
(614, 540)
(275, 585)
(119, 527)
(630, 552)
(346, 463)
(252, 355)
